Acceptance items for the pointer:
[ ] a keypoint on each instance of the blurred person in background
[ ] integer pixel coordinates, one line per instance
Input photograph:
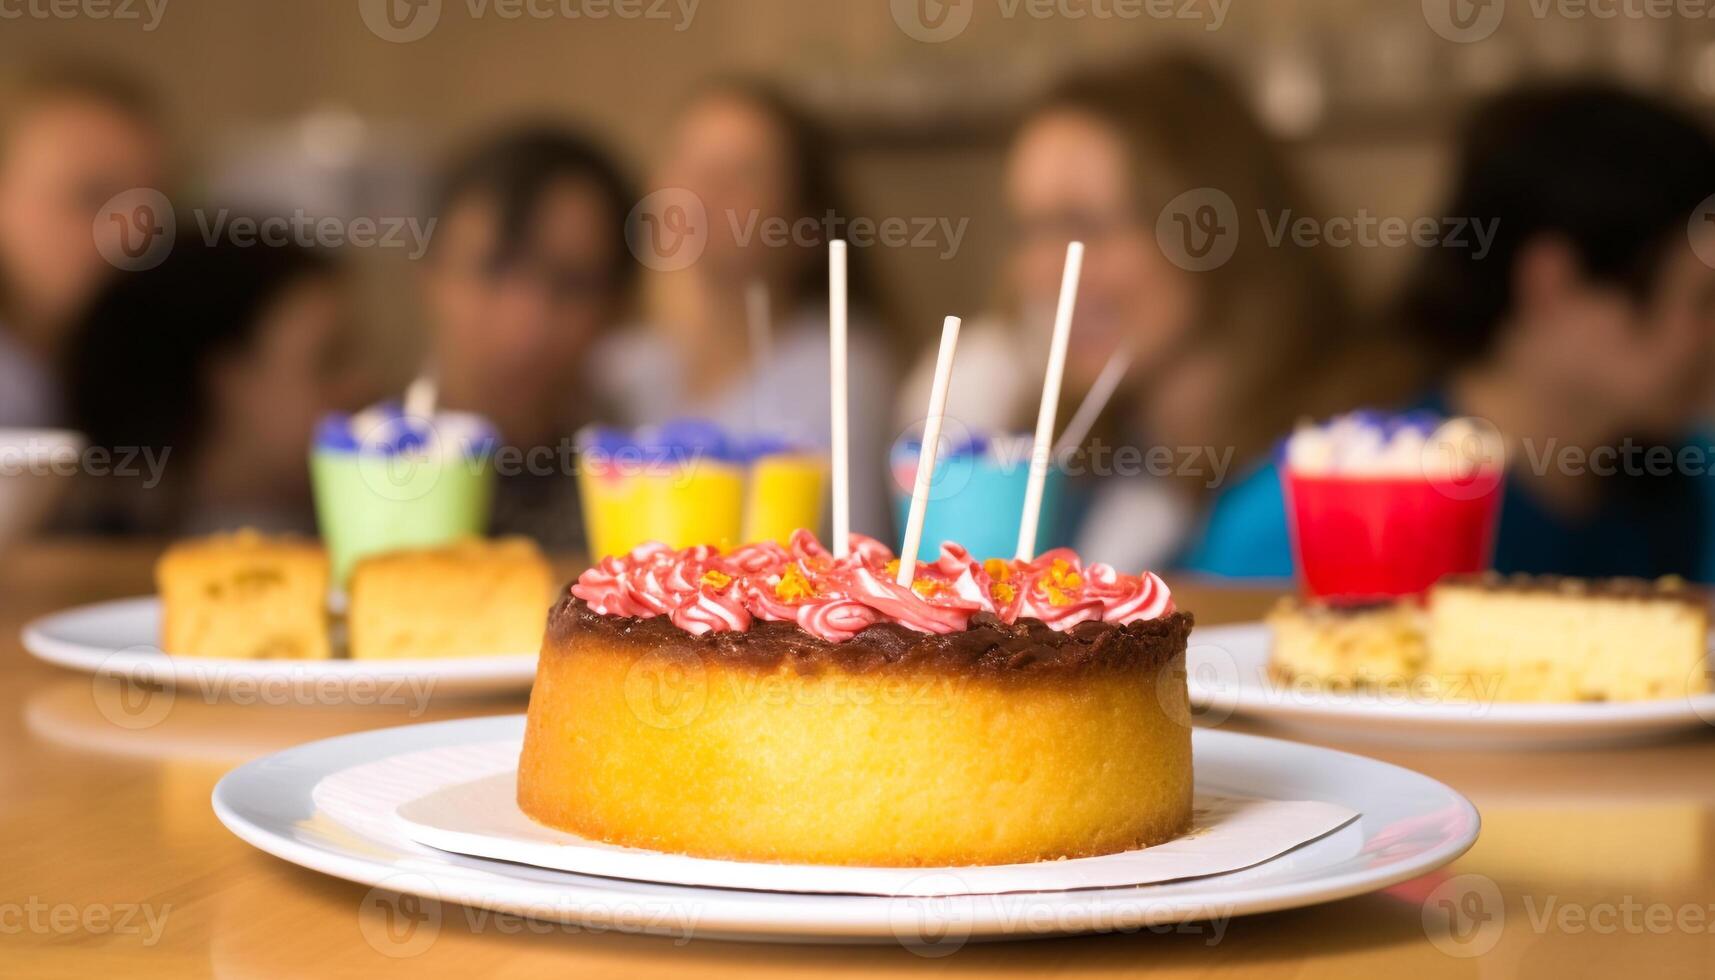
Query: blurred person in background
(526, 271)
(71, 138)
(1587, 327)
(758, 167)
(1223, 360)
(202, 378)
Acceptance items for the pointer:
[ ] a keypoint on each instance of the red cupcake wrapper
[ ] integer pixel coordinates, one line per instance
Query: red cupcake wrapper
(1358, 539)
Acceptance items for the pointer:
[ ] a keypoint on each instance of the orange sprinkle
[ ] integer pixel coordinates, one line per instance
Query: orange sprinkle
(997, 569)
(717, 578)
(928, 588)
(1002, 592)
(793, 586)
(892, 568)
(1056, 595)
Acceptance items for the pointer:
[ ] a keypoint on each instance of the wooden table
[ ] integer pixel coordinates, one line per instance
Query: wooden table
(111, 861)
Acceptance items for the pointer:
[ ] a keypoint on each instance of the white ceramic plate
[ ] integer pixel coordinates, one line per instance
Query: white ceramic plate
(1410, 825)
(1228, 668)
(120, 639)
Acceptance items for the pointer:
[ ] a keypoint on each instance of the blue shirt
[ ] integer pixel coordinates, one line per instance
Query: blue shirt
(1643, 525)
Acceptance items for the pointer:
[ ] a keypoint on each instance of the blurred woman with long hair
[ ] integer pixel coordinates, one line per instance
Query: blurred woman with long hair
(1159, 167)
(755, 166)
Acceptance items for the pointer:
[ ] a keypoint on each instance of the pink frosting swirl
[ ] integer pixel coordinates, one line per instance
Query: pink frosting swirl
(837, 619)
(711, 611)
(1128, 598)
(703, 591)
(908, 608)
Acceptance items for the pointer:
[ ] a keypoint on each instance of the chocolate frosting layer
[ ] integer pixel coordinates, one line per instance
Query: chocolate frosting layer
(989, 646)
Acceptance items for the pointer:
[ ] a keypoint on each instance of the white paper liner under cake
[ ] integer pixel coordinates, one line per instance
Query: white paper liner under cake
(462, 799)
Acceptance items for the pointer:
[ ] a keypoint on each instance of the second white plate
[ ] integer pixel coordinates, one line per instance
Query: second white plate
(1228, 667)
(121, 639)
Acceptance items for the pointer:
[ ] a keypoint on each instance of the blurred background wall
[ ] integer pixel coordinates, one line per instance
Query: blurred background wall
(326, 98)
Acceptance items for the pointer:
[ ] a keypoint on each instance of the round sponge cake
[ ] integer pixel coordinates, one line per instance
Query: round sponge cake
(1001, 743)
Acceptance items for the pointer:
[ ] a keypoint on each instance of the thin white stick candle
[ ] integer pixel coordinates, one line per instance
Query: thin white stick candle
(926, 458)
(839, 438)
(421, 396)
(757, 316)
(1041, 451)
(1095, 400)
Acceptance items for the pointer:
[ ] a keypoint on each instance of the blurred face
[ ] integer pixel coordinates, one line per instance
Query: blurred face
(272, 393)
(511, 336)
(62, 161)
(1648, 363)
(734, 158)
(1069, 178)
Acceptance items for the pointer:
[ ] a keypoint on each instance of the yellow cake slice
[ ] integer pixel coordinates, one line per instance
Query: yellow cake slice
(1560, 639)
(470, 598)
(1363, 648)
(244, 596)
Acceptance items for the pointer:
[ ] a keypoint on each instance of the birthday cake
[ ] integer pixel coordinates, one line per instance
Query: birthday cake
(778, 703)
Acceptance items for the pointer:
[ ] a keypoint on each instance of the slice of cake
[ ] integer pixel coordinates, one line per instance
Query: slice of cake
(777, 704)
(470, 598)
(1561, 639)
(244, 596)
(1346, 648)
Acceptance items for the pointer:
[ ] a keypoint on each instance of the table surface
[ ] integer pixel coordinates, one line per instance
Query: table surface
(1597, 861)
